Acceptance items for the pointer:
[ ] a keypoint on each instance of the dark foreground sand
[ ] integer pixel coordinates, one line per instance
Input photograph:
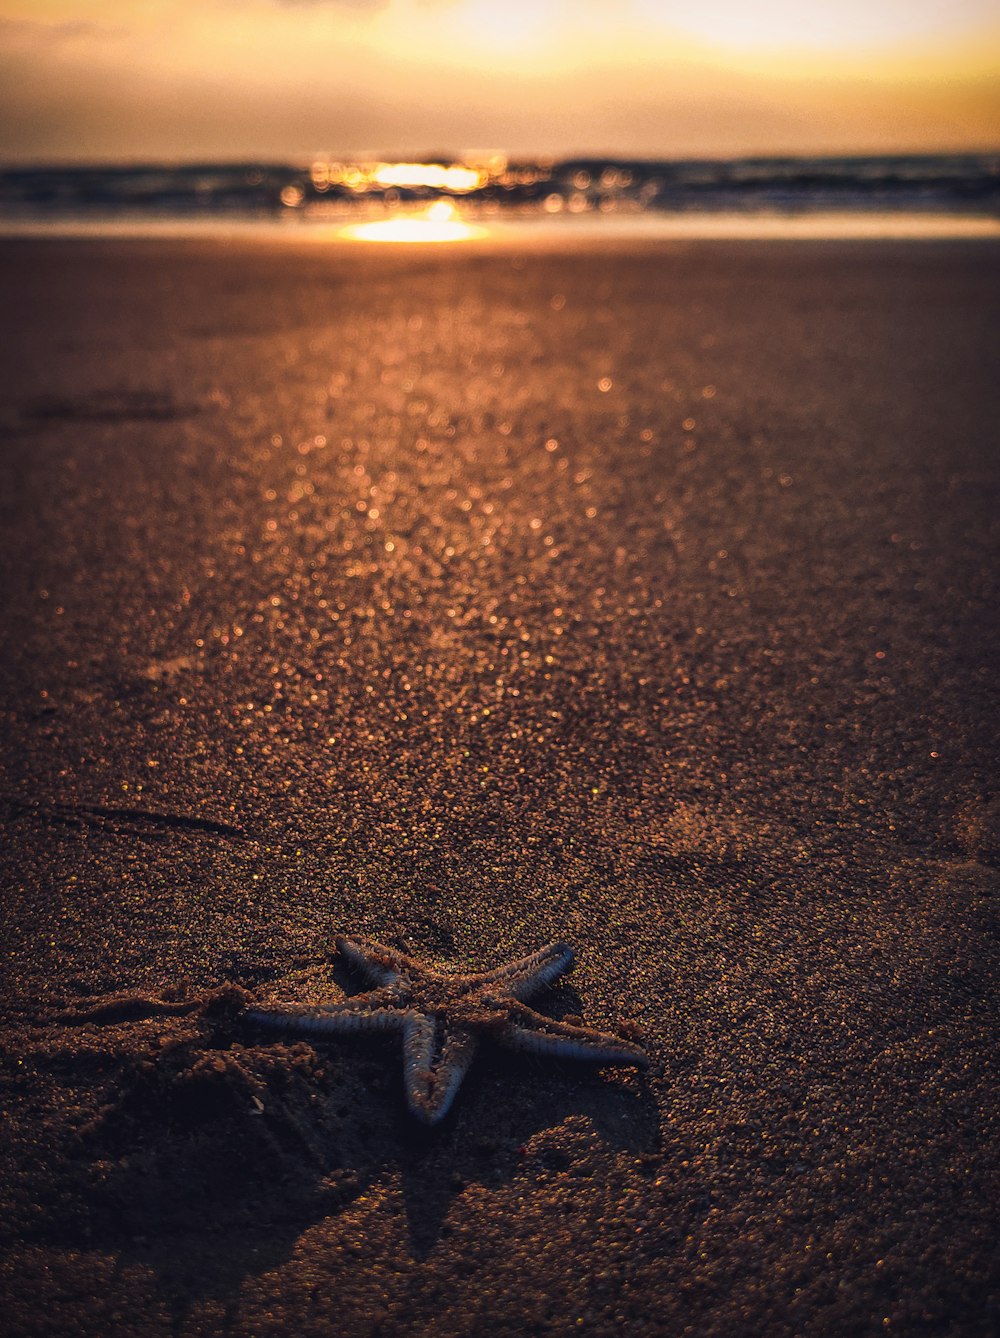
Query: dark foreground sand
(642, 598)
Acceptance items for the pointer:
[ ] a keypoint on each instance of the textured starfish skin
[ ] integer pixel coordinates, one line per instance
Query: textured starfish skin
(441, 1017)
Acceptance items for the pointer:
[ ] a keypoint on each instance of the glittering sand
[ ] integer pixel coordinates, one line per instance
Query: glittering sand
(640, 597)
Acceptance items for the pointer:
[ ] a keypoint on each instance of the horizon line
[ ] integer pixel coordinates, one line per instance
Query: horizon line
(481, 155)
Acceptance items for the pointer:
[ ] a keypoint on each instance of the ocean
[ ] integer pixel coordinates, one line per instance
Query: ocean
(957, 192)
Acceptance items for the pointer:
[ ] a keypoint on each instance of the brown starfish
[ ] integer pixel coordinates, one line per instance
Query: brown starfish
(442, 1016)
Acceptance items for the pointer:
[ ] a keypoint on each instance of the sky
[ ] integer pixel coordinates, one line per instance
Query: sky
(197, 80)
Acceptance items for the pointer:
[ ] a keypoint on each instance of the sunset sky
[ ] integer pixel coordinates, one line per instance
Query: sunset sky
(286, 79)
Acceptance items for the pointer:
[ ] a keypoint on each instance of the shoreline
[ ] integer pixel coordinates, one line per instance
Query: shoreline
(486, 231)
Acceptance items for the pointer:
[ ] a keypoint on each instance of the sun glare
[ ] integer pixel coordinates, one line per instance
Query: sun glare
(411, 176)
(512, 26)
(777, 26)
(439, 222)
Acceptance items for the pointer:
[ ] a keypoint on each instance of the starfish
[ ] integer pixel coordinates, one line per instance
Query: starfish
(442, 1016)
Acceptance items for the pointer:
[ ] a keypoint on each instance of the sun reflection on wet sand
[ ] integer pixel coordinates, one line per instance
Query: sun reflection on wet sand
(439, 222)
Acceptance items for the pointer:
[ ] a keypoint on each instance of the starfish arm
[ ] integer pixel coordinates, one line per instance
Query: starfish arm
(372, 962)
(435, 1060)
(528, 1030)
(379, 1010)
(524, 978)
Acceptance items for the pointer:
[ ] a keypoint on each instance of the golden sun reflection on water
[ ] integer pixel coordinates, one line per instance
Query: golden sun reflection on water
(432, 175)
(439, 222)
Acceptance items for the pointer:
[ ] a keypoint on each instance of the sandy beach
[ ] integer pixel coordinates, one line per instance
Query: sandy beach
(639, 596)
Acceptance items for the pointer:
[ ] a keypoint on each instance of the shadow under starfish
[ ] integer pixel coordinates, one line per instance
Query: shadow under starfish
(442, 1017)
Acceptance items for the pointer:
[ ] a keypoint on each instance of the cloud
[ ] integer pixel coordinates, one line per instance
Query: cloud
(33, 33)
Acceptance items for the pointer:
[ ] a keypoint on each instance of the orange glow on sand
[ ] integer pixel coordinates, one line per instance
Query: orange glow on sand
(439, 222)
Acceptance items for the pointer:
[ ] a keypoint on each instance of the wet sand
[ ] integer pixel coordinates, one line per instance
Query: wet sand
(642, 597)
